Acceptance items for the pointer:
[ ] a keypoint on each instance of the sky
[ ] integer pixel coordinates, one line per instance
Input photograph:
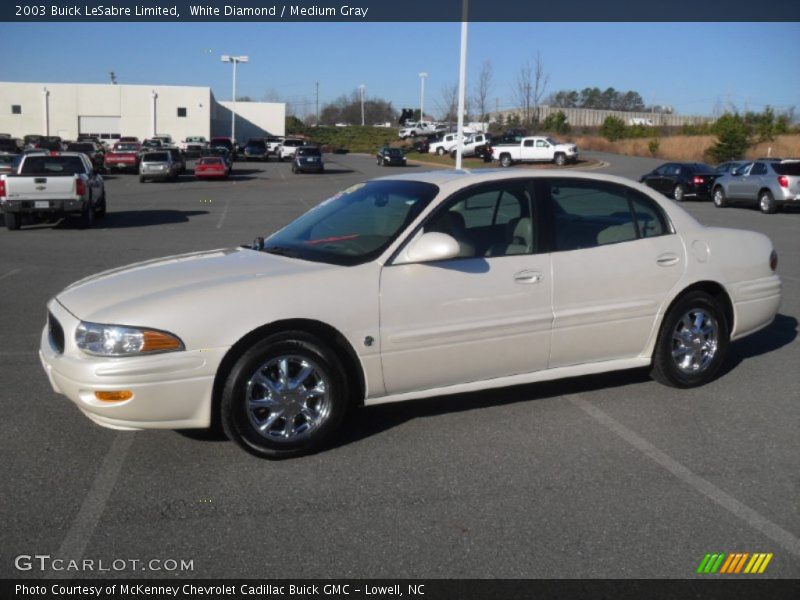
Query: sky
(697, 68)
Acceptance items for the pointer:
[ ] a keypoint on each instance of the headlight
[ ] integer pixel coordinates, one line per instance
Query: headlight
(115, 340)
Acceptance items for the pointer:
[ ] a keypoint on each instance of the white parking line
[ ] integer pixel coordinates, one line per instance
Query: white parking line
(757, 521)
(94, 504)
(224, 212)
(10, 273)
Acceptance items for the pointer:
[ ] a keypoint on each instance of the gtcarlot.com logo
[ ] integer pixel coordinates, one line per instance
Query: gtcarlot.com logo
(734, 563)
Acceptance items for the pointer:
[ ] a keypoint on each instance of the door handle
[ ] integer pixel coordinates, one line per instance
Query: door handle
(667, 260)
(528, 277)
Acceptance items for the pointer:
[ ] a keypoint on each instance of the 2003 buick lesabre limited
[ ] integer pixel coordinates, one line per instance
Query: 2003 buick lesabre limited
(406, 287)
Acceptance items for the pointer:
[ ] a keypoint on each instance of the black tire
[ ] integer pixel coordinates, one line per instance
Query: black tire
(766, 202)
(664, 367)
(102, 209)
(560, 159)
(440, 151)
(141, 179)
(13, 221)
(720, 200)
(505, 160)
(678, 193)
(237, 420)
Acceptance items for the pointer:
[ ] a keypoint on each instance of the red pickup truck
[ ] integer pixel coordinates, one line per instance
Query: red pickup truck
(124, 157)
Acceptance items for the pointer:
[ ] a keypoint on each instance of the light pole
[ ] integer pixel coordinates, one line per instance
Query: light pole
(46, 110)
(422, 77)
(361, 89)
(154, 98)
(235, 60)
(462, 83)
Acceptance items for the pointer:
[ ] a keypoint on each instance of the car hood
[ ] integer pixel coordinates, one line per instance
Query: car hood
(140, 291)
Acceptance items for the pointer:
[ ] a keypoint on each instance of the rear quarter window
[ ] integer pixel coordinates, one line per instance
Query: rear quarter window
(792, 168)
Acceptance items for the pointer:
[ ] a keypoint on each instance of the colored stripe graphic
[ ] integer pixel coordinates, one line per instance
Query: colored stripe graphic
(765, 563)
(734, 563)
(703, 563)
(727, 564)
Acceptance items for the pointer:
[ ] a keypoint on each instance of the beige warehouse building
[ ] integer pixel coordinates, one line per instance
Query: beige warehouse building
(110, 111)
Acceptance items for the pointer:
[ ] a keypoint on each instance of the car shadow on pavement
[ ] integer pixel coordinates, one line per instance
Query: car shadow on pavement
(782, 331)
(142, 218)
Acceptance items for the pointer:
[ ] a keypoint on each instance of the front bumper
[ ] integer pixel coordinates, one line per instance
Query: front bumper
(170, 390)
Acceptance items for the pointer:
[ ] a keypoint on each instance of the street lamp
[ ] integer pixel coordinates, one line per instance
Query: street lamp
(361, 89)
(235, 60)
(422, 77)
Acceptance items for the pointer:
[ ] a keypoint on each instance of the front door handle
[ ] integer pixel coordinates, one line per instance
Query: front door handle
(528, 277)
(667, 259)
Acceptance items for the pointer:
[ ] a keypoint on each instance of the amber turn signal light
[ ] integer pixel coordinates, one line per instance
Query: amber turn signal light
(118, 396)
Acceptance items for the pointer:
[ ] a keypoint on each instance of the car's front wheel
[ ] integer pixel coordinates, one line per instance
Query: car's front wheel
(720, 201)
(285, 396)
(560, 159)
(440, 151)
(505, 160)
(678, 193)
(692, 343)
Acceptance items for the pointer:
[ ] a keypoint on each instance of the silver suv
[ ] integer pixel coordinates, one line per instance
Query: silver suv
(158, 165)
(770, 183)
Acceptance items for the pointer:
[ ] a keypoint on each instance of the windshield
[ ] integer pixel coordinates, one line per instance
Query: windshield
(52, 165)
(126, 147)
(356, 225)
(156, 157)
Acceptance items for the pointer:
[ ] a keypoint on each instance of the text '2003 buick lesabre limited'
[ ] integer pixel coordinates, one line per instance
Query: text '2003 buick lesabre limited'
(409, 287)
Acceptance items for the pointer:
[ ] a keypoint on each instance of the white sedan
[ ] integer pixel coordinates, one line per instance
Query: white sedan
(408, 287)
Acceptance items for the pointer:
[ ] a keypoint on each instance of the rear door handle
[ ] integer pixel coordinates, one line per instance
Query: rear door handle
(667, 259)
(528, 277)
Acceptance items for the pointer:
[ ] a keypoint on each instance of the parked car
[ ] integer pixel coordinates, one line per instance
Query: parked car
(124, 157)
(11, 145)
(731, 165)
(177, 157)
(534, 149)
(93, 152)
(211, 167)
(193, 146)
(273, 143)
(8, 162)
(407, 287)
(680, 181)
(52, 184)
(477, 144)
(446, 143)
(50, 142)
(158, 165)
(256, 149)
(390, 156)
(153, 144)
(308, 158)
(769, 183)
(227, 143)
(423, 145)
(128, 139)
(222, 153)
(288, 148)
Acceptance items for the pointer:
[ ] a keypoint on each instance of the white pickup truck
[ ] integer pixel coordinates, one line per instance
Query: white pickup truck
(420, 128)
(52, 185)
(535, 149)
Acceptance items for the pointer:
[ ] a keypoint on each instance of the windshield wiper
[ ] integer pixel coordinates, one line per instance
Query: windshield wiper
(282, 251)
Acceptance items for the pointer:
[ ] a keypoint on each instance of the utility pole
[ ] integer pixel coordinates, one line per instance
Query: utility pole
(318, 103)
(462, 83)
(361, 90)
(422, 77)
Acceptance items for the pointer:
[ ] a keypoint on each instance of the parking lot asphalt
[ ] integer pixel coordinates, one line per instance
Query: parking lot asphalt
(602, 476)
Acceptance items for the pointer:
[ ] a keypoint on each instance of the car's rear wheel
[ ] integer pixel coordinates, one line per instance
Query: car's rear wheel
(720, 201)
(766, 202)
(440, 151)
(692, 343)
(285, 396)
(678, 193)
(13, 221)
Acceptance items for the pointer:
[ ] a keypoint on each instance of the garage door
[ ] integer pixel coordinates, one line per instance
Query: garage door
(109, 126)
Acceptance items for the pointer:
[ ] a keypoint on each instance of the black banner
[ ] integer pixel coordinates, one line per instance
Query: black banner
(395, 11)
(431, 589)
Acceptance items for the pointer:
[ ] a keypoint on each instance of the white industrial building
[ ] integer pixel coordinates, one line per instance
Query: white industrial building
(111, 110)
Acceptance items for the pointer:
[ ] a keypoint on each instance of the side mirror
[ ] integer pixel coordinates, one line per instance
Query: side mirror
(430, 247)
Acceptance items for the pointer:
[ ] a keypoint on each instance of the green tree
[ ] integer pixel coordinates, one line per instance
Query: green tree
(733, 138)
(557, 123)
(613, 129)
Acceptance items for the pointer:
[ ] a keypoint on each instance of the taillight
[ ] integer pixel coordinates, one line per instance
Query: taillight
(783, 181)
(80, 187)
(773, 260)
(698, 180)
(53, 153)
(2, 189)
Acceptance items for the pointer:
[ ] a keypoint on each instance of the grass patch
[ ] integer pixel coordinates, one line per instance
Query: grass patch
(353, 139)
(446, 161)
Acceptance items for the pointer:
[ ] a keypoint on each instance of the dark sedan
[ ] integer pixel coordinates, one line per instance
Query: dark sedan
(391, 156)
(680, 181)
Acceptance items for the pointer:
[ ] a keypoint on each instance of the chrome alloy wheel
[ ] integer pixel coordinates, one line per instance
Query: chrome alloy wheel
(288, 398)
(694, 341)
